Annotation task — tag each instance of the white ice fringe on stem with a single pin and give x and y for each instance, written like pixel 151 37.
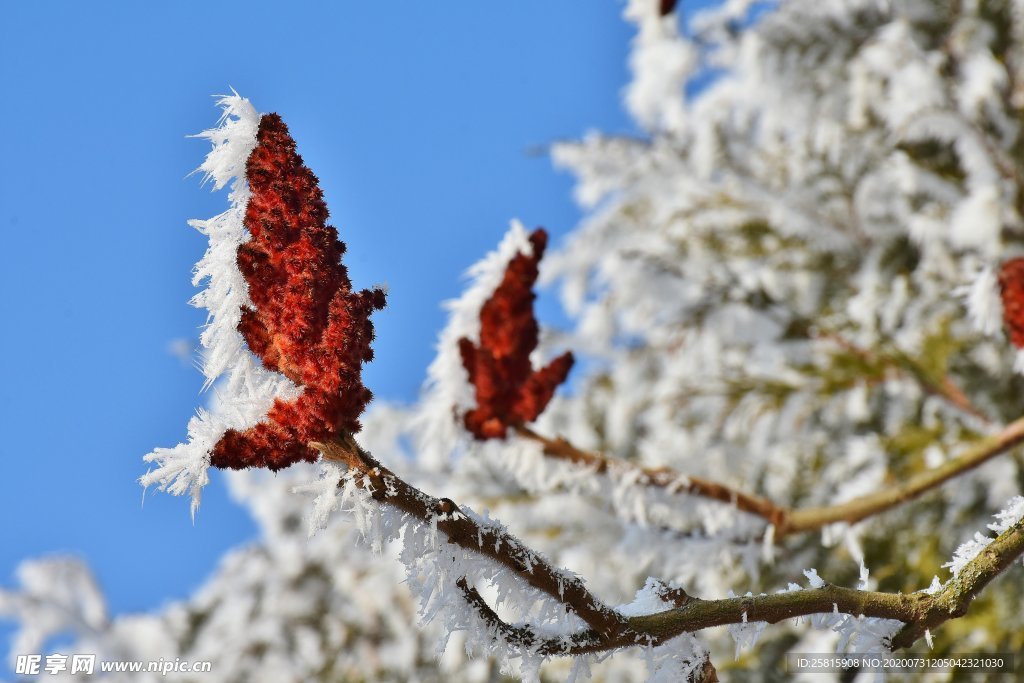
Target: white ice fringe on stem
pixel 1005 518
pixel 857 634
pixel 676 659
pixel 985 307
pixel 622 487
pixel 434 566
pixel 248 390
pixel 447 393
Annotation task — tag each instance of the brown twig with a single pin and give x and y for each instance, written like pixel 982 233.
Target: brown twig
pixel 945 389
pixel 786 520
pixel 660 477
pixel 810 519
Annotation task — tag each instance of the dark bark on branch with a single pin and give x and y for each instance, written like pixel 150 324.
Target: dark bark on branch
pixel 462 531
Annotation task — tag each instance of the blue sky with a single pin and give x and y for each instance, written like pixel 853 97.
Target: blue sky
pixel 419 119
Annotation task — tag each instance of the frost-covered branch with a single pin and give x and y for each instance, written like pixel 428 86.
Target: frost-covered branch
pixel 787 521
pixel 463 531
pixel 660 477
pixel 609 629
pixel 956 596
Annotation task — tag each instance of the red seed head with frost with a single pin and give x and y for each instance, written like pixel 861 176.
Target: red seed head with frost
pixel 1011 289
pixel 508 390
pixel 306 322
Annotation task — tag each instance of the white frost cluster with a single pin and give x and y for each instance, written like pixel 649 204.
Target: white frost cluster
pixel 746 633
pixel 815 580
pixel 447 393
pixel 246 390
pixel 1006 518
pixel 675 660
pixel 984 303
pixel 662 63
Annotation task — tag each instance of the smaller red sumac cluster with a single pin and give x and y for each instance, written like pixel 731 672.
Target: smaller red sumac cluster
pixel 509 391
pixel 1011 289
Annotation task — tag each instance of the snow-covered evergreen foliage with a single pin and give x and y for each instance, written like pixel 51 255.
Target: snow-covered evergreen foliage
pixel 788 285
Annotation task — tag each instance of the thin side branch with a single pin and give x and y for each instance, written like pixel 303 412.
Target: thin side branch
pixel 945 388
pixel 787 520
pixel 659 477
pixel 810 519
